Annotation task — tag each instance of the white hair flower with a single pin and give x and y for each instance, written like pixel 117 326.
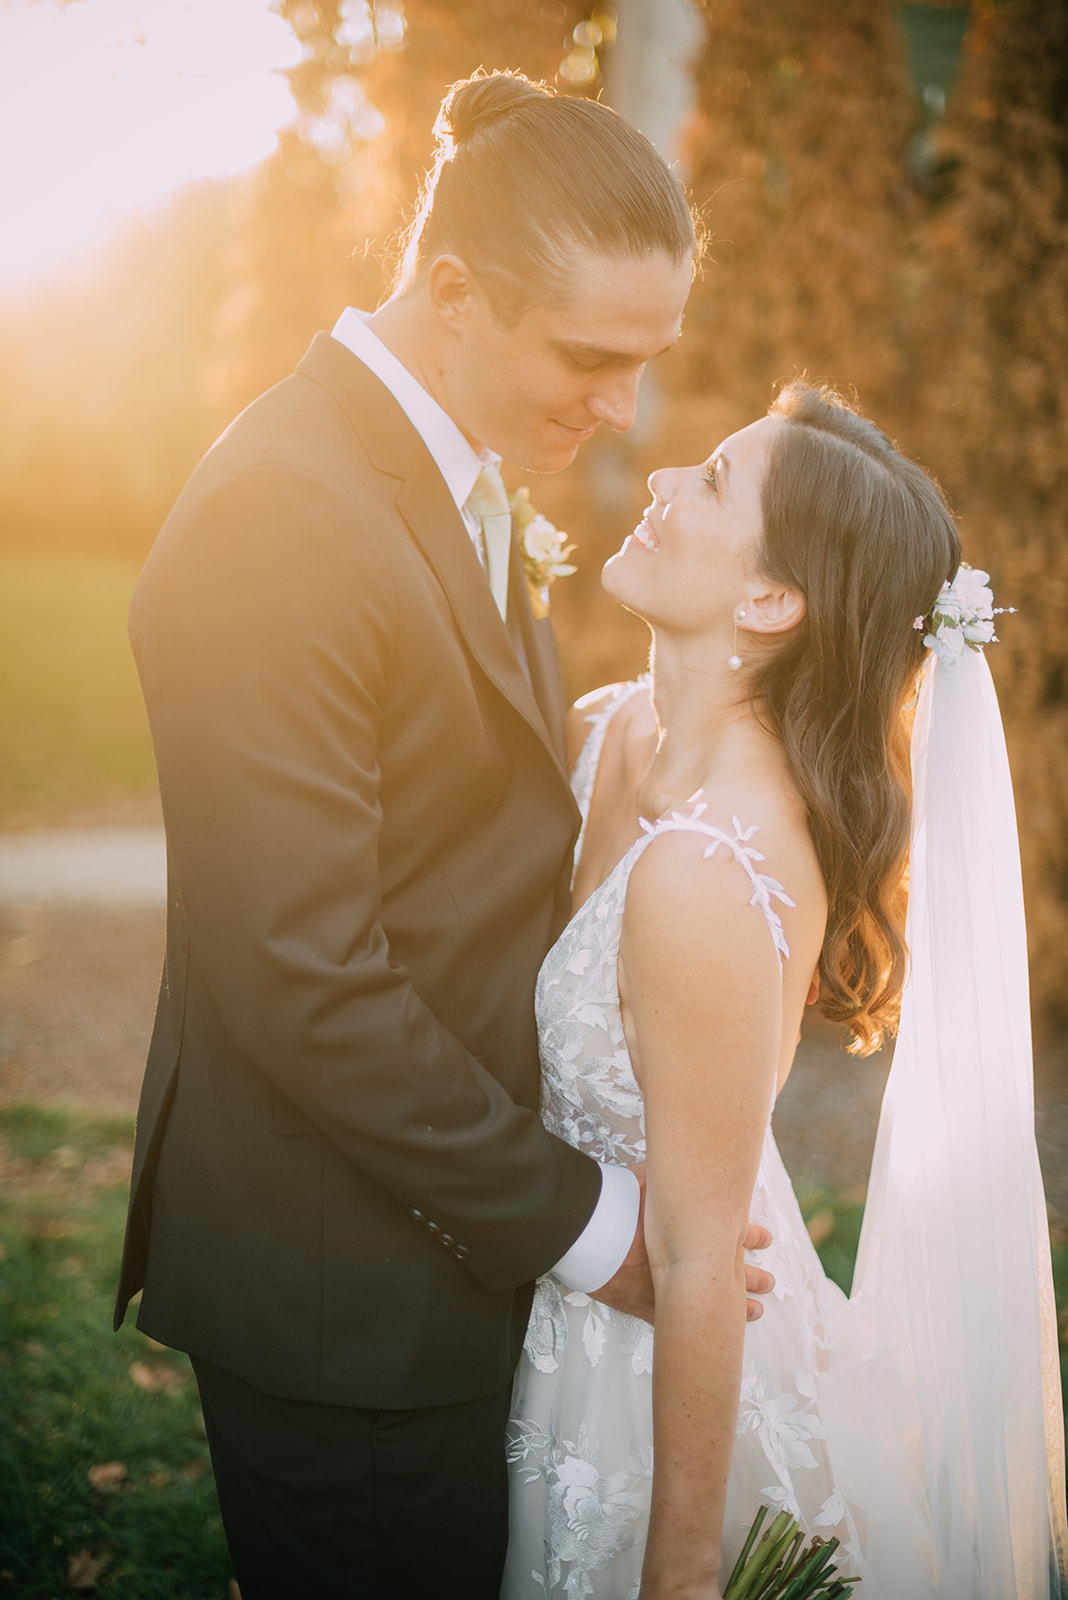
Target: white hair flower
pixel 962 617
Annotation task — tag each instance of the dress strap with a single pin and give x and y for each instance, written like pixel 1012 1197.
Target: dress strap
pixel 765 888
pixel 584 775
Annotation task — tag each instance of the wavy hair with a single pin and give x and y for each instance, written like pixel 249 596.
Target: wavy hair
pixel 866 536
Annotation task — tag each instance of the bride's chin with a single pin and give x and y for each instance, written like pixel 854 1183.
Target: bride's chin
pixel 614 577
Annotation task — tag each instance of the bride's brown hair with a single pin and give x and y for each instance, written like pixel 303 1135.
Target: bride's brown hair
pixel 865 535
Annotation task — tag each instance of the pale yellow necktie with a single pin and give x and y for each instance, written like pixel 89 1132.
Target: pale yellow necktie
pixel 489 501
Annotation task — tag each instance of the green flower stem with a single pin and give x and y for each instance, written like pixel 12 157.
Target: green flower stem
pixel 758 1523
pixel 777 1567
pixel 811 1573
pixel 784 1568
pixel 764 1559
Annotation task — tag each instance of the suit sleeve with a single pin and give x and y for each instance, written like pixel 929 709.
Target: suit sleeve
pixel 264 635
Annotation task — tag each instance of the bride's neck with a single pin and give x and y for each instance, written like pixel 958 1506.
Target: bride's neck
pixel 705 723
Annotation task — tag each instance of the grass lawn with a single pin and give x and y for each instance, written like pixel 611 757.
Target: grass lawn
pixel 104 1470
pixel 105 1482
pixel 72 724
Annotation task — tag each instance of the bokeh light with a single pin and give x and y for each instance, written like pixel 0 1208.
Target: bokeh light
pixel 580 69
pixel 108 105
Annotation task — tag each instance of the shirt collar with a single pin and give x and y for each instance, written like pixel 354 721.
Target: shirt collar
pixel 456 460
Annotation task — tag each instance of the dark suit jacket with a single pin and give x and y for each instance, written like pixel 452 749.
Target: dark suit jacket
pixel 341 1188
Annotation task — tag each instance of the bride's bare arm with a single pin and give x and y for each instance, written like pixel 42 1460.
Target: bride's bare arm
pixel 703 993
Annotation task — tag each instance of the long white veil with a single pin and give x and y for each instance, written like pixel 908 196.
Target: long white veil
pixel 953 1284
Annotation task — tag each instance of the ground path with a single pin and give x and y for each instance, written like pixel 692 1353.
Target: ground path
pixel 81 942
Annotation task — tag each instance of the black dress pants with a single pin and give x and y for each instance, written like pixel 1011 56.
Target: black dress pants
pixel 324 1502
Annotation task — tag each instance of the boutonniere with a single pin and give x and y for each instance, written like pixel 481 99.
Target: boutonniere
pixel 544 550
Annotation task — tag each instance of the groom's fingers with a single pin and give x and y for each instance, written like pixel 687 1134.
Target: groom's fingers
pixel 756 1237
pixel 757 1281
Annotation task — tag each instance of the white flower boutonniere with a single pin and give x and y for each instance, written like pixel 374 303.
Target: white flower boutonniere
pixel 962 617
pixel 544 550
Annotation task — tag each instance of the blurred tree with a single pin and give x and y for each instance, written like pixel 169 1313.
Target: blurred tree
pixel 314 233
pixel 797 159
pixel 299 247
pixel 101 414
pixel 991 360
pixel 447 43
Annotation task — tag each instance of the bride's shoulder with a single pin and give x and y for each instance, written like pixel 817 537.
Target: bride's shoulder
pixel 621 704
pixel 692 872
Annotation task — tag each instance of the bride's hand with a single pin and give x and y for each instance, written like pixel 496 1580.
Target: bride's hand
pixel 631 1288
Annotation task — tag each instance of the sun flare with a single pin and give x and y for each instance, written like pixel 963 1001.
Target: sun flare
pixel 108 105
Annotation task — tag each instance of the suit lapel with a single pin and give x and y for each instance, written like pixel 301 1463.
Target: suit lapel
pixel 426 506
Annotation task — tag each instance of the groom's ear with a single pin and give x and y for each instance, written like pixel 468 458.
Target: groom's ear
pixel 451 289
pixel 773 608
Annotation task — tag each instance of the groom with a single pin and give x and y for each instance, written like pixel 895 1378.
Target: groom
pixel 342 1192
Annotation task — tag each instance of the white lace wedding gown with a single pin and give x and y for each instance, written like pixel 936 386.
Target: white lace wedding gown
pixel 823 1418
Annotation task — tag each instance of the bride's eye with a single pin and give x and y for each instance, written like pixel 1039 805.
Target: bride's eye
pixel 710 474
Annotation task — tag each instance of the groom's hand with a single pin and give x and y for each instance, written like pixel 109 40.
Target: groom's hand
pixel 757 1280
pixel 631 1289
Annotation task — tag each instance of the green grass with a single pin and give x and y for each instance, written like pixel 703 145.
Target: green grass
pixel 834 1221
pixel 74 1396
pixel 72 723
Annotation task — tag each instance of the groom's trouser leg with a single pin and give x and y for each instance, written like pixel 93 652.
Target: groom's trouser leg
pixel 327 1502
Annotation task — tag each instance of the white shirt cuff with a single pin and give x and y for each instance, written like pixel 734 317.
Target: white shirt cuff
pixel 601 1248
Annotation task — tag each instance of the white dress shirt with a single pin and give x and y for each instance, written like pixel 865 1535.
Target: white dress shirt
pixel 458 462
pixel 602 1246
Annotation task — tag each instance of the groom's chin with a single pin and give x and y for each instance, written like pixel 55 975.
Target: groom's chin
pixel 551 458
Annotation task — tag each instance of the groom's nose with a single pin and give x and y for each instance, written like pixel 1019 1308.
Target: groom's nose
pixel 616 400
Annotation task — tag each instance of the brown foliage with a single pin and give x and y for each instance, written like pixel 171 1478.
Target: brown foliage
pixel 796 152
pixel 993 412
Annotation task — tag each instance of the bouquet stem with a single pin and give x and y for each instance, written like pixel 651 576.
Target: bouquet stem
pixel 776 1567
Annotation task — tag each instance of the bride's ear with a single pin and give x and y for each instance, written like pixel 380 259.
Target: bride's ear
pixel 773 608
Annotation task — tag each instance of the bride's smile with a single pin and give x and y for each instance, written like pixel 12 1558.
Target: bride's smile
pixel 702 534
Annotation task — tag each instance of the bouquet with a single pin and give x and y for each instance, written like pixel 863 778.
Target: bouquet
pixel 777 1568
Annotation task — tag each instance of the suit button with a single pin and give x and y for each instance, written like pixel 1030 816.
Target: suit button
pixel 418 1215
pixel 433 1227
pixel 461 1252
pixel 448 1239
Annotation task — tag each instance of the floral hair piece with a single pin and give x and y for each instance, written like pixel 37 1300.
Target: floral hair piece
pixel 963 615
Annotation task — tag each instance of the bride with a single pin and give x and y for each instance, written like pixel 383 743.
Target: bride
pixel 747 814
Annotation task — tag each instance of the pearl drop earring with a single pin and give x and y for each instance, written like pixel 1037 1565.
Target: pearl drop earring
pixel 734 660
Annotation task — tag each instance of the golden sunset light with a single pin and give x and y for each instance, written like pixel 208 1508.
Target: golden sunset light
pixel 426 425
pixel 112 104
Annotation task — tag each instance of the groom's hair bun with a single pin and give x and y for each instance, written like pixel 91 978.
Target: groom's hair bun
pixel 525 179
pixel 478 102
